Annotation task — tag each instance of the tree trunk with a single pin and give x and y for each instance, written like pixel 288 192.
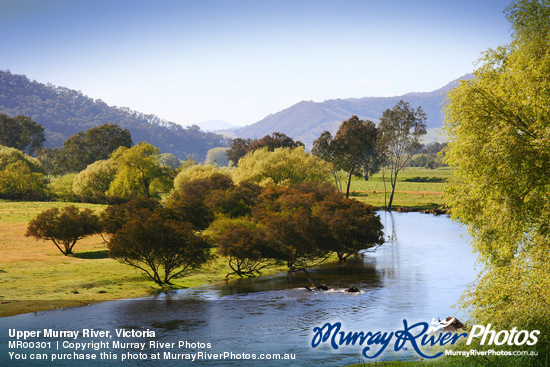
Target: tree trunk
pixel 393 181
pixel 350 173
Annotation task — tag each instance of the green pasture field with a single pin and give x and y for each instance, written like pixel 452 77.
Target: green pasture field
pixel 417 188
pixel 35 275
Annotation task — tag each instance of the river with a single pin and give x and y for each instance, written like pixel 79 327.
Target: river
pixel 418 275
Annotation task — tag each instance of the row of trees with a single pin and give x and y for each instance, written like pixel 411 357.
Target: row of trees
pixel 299 225
pixel 103 171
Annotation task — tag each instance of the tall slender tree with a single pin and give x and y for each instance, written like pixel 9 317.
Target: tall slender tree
pixel 400 131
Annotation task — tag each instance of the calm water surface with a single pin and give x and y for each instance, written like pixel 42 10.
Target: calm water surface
pixel 417 275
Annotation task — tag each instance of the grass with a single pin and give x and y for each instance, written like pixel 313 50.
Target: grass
pixel 35 276
pixel 417 188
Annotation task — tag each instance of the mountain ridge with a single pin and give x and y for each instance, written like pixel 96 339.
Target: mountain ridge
pixel 64 112
pixel 306 120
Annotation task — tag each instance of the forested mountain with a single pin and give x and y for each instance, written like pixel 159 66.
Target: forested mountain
pixel 306 120
pixel 64 112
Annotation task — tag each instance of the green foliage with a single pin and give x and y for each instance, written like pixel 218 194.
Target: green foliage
pixel 354 149
pixel 91 184
pixel 160 246
pixel 169 160
pixel 61 188
pixel 238 149
pixel 498 125
pixel 21 176
pixel 139 173
pixel 191 172
pixel 95 144
pixel 400 131
pixel 21 133
pixel 217 156
pixel 64 227
pixel 283 166
pixel 53 161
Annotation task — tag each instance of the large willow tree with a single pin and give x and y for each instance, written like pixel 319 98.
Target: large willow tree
pixel 499 129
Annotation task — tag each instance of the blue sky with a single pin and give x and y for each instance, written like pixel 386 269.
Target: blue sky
pixel 190 61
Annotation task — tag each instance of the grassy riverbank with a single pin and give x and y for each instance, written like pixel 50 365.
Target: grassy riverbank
pixel 417 188
pixel 35 276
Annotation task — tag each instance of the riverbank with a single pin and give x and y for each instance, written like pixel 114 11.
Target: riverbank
pixel 417 189
pixel 35 276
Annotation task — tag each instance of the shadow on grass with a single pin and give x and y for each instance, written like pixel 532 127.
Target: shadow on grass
pixel 100 254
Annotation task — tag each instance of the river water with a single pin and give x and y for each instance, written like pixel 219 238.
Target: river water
pixel 418 275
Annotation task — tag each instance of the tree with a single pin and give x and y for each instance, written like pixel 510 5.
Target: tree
pixel 61 188
pixel 95 144
pixel 238 149
pixel 139 173
pixel 64 227
pixel 114 217
pixel 234 202
pixel 400 131
pixel 188 203
pixel 296 233
pixel 244 242
pixel 92 183
pixel 353 149
pixel 283 166
pixel 500 150
pixel 53 161
pixel 169 160
pixel 217 156
pixel 21 176
pixel 273 141
pixel 353 225
pixel 191 171
pixel 160 246
pixel 21 133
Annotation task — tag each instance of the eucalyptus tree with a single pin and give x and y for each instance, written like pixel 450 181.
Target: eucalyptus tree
pixel 353 149
pixel 400 131
pixel 21 133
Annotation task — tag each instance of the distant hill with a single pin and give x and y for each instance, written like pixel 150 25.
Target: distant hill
pixel 306 120
pixel 64 112
pixel 216 125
